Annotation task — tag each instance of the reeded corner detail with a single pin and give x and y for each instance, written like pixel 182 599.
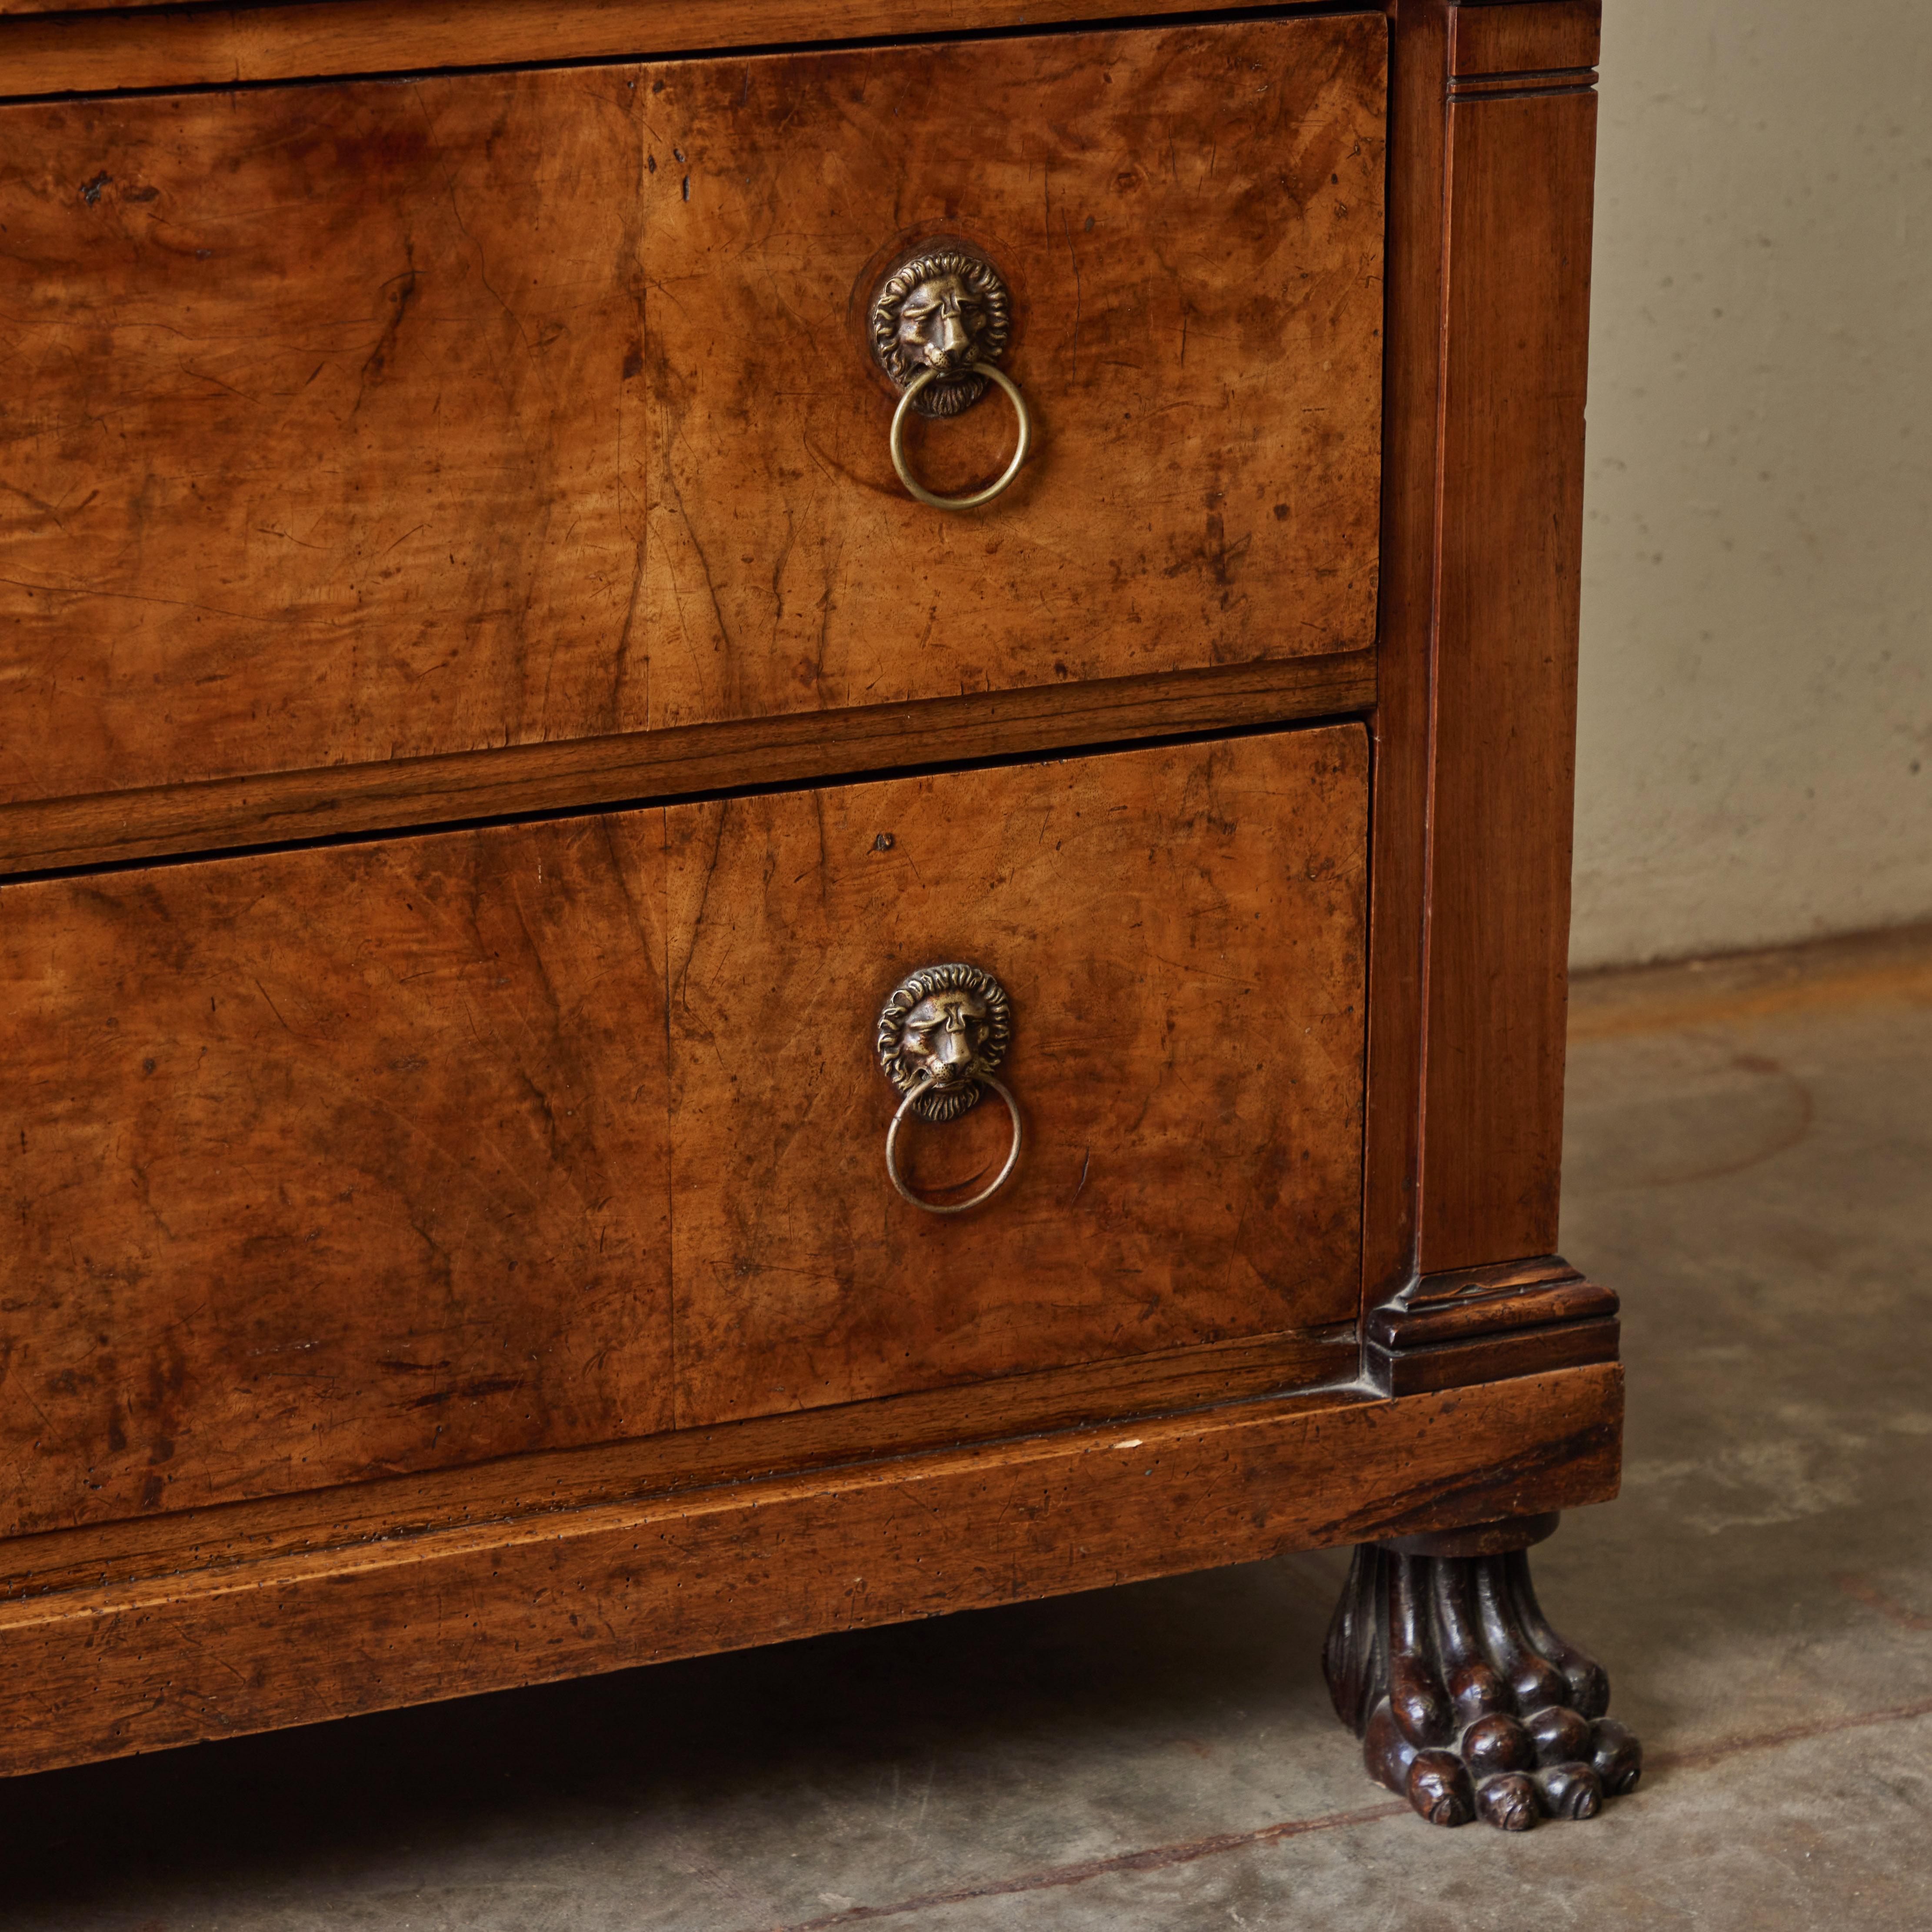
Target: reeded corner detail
pixel 1522 86
pixel 1508 52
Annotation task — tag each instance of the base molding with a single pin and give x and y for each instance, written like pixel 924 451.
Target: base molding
pixel 1472 1325
pixel 99 1671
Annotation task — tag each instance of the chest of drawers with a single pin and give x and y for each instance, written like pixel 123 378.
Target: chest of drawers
pixel 633 1029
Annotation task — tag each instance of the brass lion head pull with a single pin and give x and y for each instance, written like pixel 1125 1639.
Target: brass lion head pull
pixel 939 323
pixel 942 1033
pixel 944 1030
pixel 947 311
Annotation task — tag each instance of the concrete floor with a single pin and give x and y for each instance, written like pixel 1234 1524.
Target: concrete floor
pixel 1750 1163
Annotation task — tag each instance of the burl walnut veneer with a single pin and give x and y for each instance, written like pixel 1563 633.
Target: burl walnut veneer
pixel 784 827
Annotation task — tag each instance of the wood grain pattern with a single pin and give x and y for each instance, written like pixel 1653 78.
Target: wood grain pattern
pixel 1180 931
pixel 100 1671
pixel 1542 37
pixel 1192 221
pixel 336 435
pixel 316 432
pixel 43 835
pixel 329 1164
pixel 539 1482
pixel 1514 376
pixel 358 1159
pixel 138 45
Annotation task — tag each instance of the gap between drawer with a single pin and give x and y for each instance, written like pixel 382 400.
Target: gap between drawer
pixel 39 837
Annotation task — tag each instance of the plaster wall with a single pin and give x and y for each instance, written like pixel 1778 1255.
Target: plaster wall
pixel 1755 758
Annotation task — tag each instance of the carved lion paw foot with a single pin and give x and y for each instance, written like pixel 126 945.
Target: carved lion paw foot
pixel 1467 1702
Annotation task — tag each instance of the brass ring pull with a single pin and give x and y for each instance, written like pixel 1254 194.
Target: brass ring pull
pixel 941 1033
pixel 1000 1180
pixel 913 389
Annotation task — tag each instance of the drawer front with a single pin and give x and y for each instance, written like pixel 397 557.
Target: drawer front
pixel 365 420
pixel 370 1159
pixel 1180 931
pixel 1190 220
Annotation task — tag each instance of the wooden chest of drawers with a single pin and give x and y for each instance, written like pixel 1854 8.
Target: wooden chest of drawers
pixel 531 814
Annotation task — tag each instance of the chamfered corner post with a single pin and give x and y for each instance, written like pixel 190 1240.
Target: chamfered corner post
pixel 1520 135
pixel 1467 1701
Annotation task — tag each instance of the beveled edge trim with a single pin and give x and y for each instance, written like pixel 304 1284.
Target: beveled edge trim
pixel 1466 1302
pixel 1472 1325
pixel 1311 1364
pixel 56 835
pixel 1523 86
pixel 166 49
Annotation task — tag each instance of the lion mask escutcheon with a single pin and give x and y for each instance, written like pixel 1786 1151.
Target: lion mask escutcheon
pixel 950 1024
pixel 945 311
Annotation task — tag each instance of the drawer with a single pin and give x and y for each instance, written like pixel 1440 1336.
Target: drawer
pixel 357 422
pixel 384 1157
